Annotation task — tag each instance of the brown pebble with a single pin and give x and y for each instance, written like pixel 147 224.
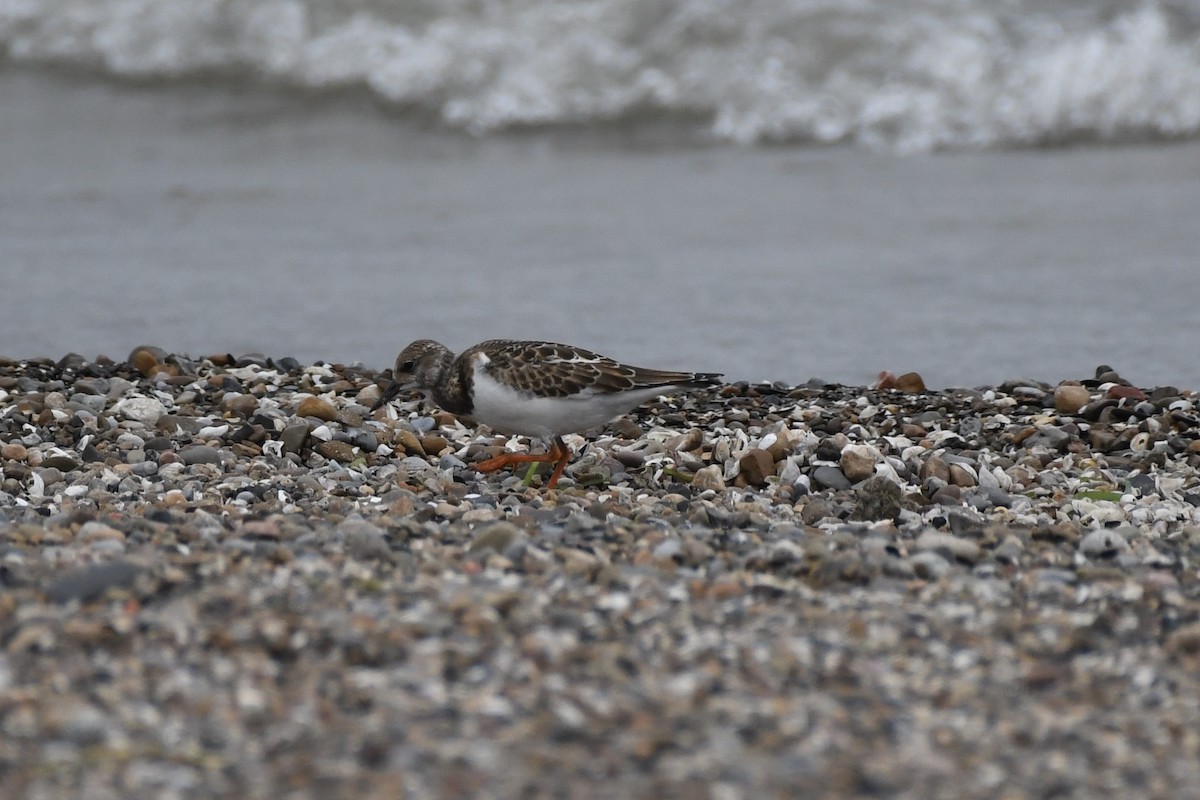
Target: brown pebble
pixel 1132 392
pixel 1070 397
pixel 756 466
pixel 1185 642
pixel 726 589
pixel 243 404
pixel 782 446
pixel 13 451
pixel 433 445
pixel 146 358
pixel 1103 440
pixel 935 467
pixel 96 531
pixel 686 442
pixel 368 395
pixel 409 441
pixel 164 371
pixel 1021 434
pixel 337 451
pixel 626 428
pixel 858 461
pixel 317 407
pixel 247 449
pixel 961 476
pixel 445 419
pixel 402 507
pixel 709 477
pixel 910 383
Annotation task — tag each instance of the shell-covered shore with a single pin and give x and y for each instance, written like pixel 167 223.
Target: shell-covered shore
pixel 226 577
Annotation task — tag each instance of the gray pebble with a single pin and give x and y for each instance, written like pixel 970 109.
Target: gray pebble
pixel 145 468
pixel 91 582
pixel 200 454
pixel 365 541
pixel 1103 543
pixel 829 477
pixel 49 475
pixel 930 566
pixel 87 726
pixel 498 538
pixel 141 409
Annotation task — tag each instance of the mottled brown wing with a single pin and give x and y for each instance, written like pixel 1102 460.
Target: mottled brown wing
pixel 550 370
pixel 559 370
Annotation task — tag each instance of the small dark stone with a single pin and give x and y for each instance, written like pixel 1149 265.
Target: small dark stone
pixel 91 386
pixel 365 440
pixel 1050 438
pixel 71 361
pixel 16 470
pixel 64 463
pixel 253 360
pixel 830 478
pixel 997 496
pixel 293 437
pixel 878 498
pixel 830 449
pixel 1144 483
pixel 947 495
pixel 247 433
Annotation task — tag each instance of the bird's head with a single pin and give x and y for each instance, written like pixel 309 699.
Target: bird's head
pixel 419 366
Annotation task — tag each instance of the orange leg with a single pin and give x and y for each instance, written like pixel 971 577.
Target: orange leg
pixel 558 453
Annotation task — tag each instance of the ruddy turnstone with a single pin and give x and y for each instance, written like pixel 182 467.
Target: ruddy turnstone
pixel 539 389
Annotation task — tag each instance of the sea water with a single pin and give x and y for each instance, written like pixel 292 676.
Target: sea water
pixel 971 190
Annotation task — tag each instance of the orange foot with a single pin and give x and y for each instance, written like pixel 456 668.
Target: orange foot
pixel 558 452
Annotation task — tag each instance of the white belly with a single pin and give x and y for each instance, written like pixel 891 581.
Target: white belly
pixel 508 411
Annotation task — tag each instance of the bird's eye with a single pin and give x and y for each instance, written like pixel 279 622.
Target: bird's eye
pixel 407 366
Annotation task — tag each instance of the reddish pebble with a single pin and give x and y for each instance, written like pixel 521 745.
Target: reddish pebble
pixel 1120 390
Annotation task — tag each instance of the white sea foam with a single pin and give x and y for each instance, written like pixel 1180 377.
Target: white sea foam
pixel 908 75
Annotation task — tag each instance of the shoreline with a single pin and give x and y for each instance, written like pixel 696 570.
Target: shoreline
pixel 226 578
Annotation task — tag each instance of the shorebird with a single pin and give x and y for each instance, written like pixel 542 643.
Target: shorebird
pixel 539 389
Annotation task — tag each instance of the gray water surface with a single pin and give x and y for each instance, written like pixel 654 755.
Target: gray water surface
pixel 206 219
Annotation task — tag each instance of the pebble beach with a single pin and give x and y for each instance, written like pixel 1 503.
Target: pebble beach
pixel 224 576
